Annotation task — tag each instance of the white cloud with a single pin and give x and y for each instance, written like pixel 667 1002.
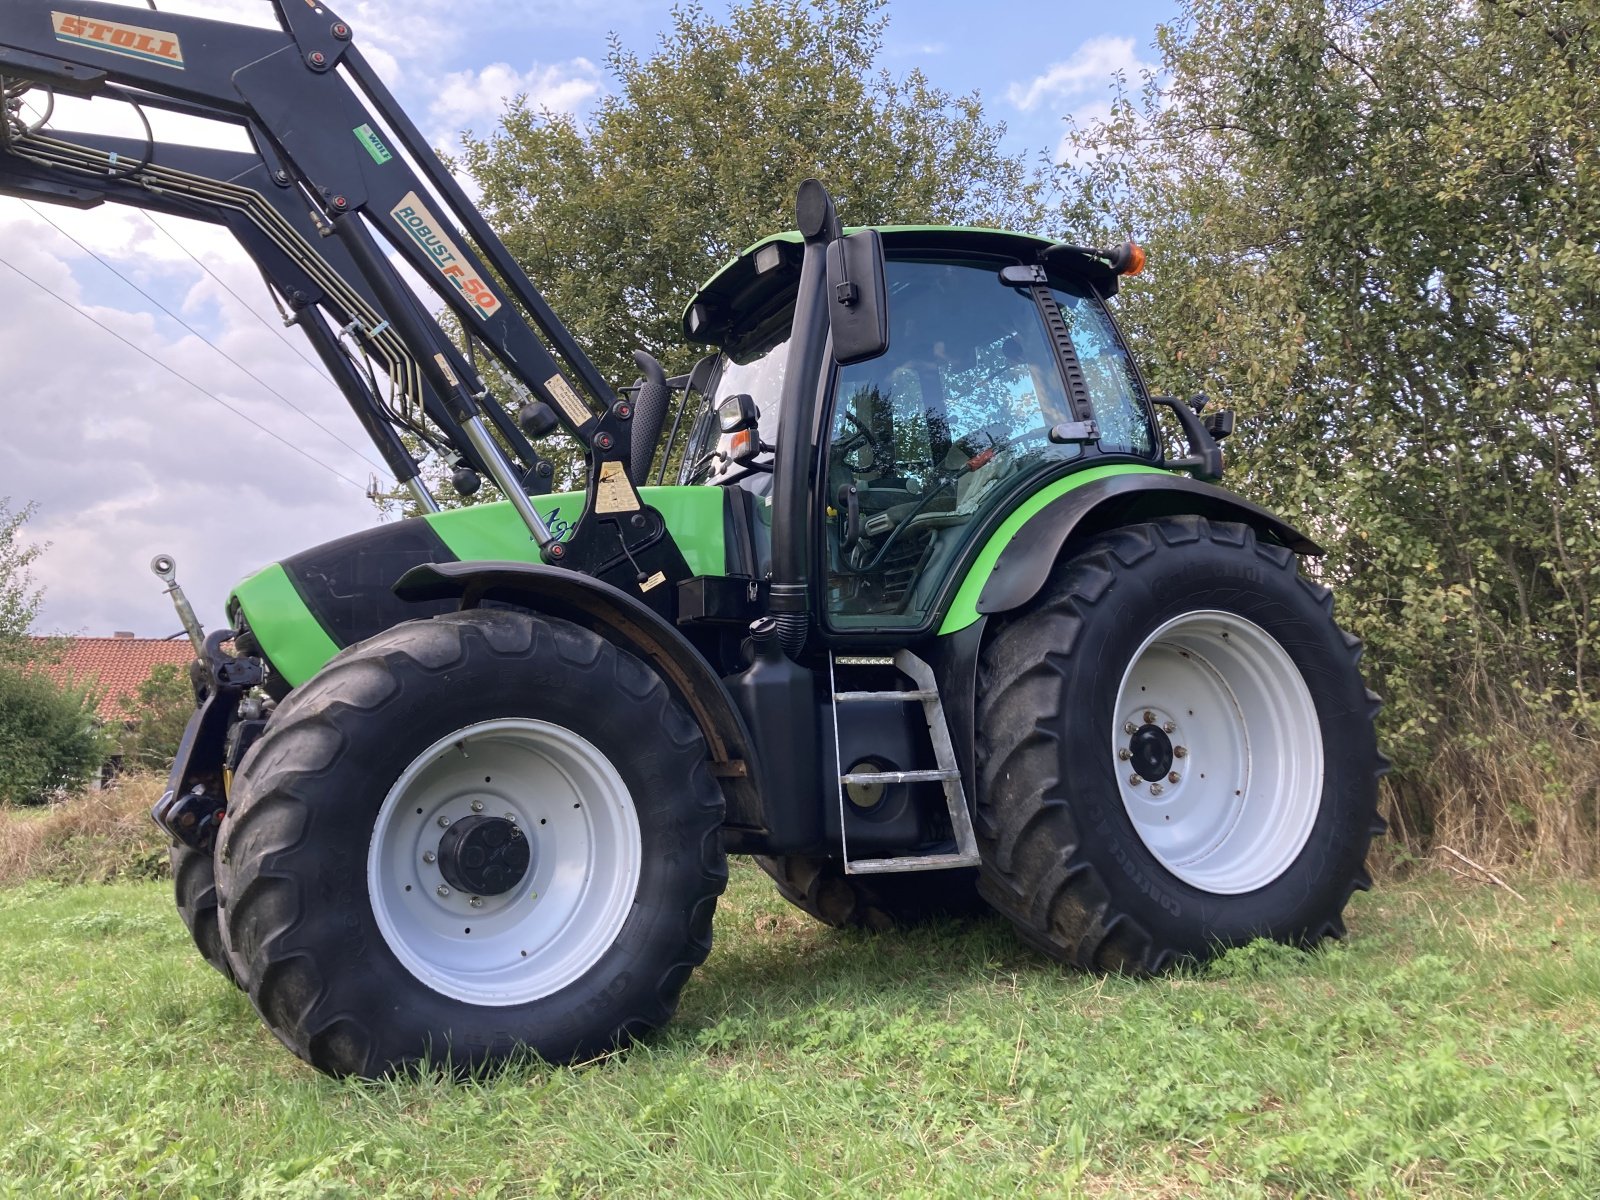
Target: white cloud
pixel 1093 66
pixel 477 97
pixel 126 461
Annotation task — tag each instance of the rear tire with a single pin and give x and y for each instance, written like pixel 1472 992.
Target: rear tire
pixel 338 855
pixel 1191 651
pixel 820 888
pixel 194 885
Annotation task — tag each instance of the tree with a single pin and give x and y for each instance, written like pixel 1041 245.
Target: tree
pixel 1374 234
pixel 156 715
pixel 697 153
pixel 49 738
pixel 19 600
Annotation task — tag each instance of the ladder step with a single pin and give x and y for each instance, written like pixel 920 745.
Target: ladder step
pixel 926 862
pixel 859 697
pixel 899 776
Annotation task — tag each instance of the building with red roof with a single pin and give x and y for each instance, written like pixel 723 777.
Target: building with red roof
pixel 115 665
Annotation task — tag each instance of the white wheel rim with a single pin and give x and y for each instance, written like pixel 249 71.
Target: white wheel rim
pixel 566 911
pixel 1246 751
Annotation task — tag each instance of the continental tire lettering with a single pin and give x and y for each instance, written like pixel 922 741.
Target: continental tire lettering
pixel 1142 881
pixel 428 233
pixel 130 41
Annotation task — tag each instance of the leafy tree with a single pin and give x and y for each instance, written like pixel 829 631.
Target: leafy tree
pixel 157 713
pixel 49 737
pixel 19 600
pixel 1374 229
pixel 697 152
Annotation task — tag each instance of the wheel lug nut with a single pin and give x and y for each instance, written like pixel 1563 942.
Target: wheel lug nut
pixel 1135 780
pixel 1156 789
pixel 1149 717
pixel 442 890
pixel 1130 727
pixel 1180 752
pixel 429 856
pixel 1173 778
pixel 1123 754
pixel 477 806
pixel 1169 727
pixel 476 902
pixel 443 821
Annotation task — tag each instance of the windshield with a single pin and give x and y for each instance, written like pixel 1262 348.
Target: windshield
pixel 760 376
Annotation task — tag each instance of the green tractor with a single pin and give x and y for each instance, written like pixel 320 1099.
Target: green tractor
pixel 928 622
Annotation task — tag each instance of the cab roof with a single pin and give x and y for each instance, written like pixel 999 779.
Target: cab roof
pixel 740 299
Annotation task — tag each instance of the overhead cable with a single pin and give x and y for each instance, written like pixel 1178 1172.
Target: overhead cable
pixel 179 374
pixel 356 450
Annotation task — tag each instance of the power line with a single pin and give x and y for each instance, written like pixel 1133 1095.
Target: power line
pixel 248 307
pixel 179 374
pixel 356 450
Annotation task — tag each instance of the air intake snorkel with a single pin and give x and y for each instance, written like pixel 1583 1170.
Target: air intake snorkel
pixel 818 223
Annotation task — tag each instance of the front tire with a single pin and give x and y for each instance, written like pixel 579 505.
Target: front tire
pixel 1176 752
pixel 469 836
pixel 194 887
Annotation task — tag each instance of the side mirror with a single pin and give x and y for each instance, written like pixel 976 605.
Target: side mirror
pixel 736 413
pixel 858 297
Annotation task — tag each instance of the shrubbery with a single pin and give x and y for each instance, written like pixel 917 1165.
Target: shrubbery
pixel 50 740
pixel 1373 234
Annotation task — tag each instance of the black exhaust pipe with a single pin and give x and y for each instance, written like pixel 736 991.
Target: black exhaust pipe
pixel 650 405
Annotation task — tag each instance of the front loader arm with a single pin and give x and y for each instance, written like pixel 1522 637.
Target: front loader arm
pixel 329 132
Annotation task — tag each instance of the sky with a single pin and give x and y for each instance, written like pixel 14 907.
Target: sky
pixel 108 427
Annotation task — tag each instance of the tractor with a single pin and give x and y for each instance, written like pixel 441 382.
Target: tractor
pixel 928 619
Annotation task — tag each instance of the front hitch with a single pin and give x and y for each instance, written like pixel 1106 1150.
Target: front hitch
pixel 192 808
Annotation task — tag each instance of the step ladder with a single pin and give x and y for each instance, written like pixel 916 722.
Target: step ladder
pixel 948 773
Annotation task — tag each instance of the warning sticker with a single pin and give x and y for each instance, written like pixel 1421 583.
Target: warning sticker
pixel 613 492
pixel 561 392
pixel 655 580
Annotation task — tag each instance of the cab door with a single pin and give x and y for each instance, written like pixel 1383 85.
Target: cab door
pixel 952 424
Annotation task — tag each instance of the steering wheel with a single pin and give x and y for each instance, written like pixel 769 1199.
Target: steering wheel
pixel 852 444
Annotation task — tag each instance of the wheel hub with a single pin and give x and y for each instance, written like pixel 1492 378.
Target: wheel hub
pixel 1219 693
pixel 1150 751
pixel 484 856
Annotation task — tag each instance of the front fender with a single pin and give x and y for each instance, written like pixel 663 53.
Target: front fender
pixel 1028 550
pixel 625 621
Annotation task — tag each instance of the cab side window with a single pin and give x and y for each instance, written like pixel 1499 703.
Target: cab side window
pixel 925 436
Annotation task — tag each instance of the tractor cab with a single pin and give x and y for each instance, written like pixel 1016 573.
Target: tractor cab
pixel 1003 369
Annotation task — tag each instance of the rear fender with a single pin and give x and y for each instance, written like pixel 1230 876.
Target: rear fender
pixel 628 623
pixel 1031 554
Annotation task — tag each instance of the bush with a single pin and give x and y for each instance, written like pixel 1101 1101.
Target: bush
pixel 94 838
pixel 50 741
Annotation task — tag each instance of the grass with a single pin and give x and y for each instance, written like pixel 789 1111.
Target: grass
pixel 1450 1048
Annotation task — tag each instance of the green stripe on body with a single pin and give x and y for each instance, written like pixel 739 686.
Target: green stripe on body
pixel 494 532
pixel 280 619
pixel 964 608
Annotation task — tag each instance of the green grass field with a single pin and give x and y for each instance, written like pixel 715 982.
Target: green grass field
pixel 1450 1048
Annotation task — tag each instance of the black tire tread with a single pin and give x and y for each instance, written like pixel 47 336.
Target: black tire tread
pixel 1032 869
pixel 194 887
pixel 268 908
